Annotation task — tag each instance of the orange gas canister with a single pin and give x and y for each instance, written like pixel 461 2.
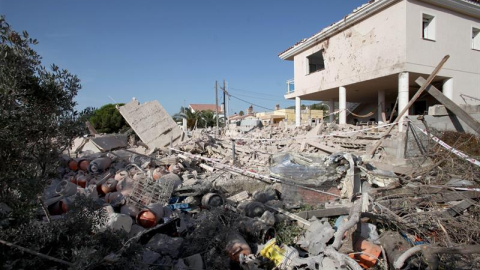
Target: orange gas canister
pixel 366 254
pixel 72 165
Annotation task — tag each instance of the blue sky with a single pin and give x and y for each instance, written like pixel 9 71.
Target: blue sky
pixel 173 51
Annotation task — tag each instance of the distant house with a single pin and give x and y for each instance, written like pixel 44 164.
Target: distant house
pixel 288 115
pixel 237 118
pixel 205 107
pixel 373 56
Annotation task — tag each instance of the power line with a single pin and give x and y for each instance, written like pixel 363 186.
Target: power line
pixel 276 100
pixel 249 102
pixel 260 93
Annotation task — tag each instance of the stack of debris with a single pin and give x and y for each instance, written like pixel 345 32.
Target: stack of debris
pixel 259 200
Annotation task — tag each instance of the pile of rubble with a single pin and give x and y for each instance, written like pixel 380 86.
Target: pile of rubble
pixel 261 200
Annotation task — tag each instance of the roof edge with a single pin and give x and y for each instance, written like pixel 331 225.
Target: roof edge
pixel 468 7
pixel 358 15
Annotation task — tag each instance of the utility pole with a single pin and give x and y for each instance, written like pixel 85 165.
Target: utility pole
pixel 216 106
pixel 184 119
pixel 224 105
pixel 228 100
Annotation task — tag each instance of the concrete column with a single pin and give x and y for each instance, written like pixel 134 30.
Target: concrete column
pixel 381 107
pixel 298 110
pixel 403 97
pixel 448 88
pixel 342 105
pixel 331 109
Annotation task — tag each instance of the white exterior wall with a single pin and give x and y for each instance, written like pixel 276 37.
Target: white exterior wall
pixel 453 37
pixel 372 48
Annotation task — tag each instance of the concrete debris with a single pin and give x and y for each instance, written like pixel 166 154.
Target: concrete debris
pixel 316 237
pixel 151 123
pixel 110 142
pixel 218 202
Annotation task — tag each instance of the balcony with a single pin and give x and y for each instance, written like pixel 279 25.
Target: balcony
pixel 290 86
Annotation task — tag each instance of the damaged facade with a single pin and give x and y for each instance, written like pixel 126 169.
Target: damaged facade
pixel 373 56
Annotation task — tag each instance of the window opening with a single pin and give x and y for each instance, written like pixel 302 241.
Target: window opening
pixel 428 27
pixel 475 38
pixel 316 62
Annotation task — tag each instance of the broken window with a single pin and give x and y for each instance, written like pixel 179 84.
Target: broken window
pixel 428 27
pixel 316 62
pixel 475 38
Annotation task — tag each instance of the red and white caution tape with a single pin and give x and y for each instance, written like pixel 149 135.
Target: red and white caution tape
pixel 449 148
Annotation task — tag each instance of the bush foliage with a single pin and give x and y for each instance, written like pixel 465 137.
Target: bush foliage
pixel 38 122
pixel 108 119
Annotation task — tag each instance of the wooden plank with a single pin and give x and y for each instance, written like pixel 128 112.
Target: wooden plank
pixel 414 98
pixel 324 148
pixel 320 213
pixel 41 255
pixel 459 208
pixel 450 105
pixel 399 204
pixel 405 191
pixel 90 127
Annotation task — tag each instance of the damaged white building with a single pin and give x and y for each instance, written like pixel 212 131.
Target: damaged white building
pixel 374 55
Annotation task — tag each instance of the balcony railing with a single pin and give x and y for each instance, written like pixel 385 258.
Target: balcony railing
pixel 290 86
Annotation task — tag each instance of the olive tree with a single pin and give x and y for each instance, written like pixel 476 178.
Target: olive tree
pixel 38 122
pixel 38 117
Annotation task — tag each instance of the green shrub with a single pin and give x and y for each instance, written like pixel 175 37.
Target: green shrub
pixel 108 119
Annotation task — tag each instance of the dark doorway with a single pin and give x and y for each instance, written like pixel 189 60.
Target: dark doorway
pixel 420 107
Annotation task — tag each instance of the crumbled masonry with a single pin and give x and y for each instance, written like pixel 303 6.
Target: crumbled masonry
pixel 227 201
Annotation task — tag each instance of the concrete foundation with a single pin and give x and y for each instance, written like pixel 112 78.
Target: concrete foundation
pixel 440 118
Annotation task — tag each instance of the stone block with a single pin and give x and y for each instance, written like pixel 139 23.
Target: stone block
pixel 437 110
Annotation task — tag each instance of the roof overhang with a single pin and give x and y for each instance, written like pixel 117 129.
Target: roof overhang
pixel 357 15
pixel 467 7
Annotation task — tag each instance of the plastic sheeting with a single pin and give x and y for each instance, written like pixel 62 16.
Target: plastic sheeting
pixel 296 167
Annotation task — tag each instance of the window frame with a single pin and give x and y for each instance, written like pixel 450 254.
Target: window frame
pixel 475 40
pixel 429 31
pixel 307 62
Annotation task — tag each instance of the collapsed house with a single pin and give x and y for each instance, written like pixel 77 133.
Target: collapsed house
pixel 214 201
pixel 328 196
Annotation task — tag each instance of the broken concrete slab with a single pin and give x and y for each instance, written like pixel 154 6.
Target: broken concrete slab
pixel 110 142
pixel 151 123
pixel 83 145
pixel 316 237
